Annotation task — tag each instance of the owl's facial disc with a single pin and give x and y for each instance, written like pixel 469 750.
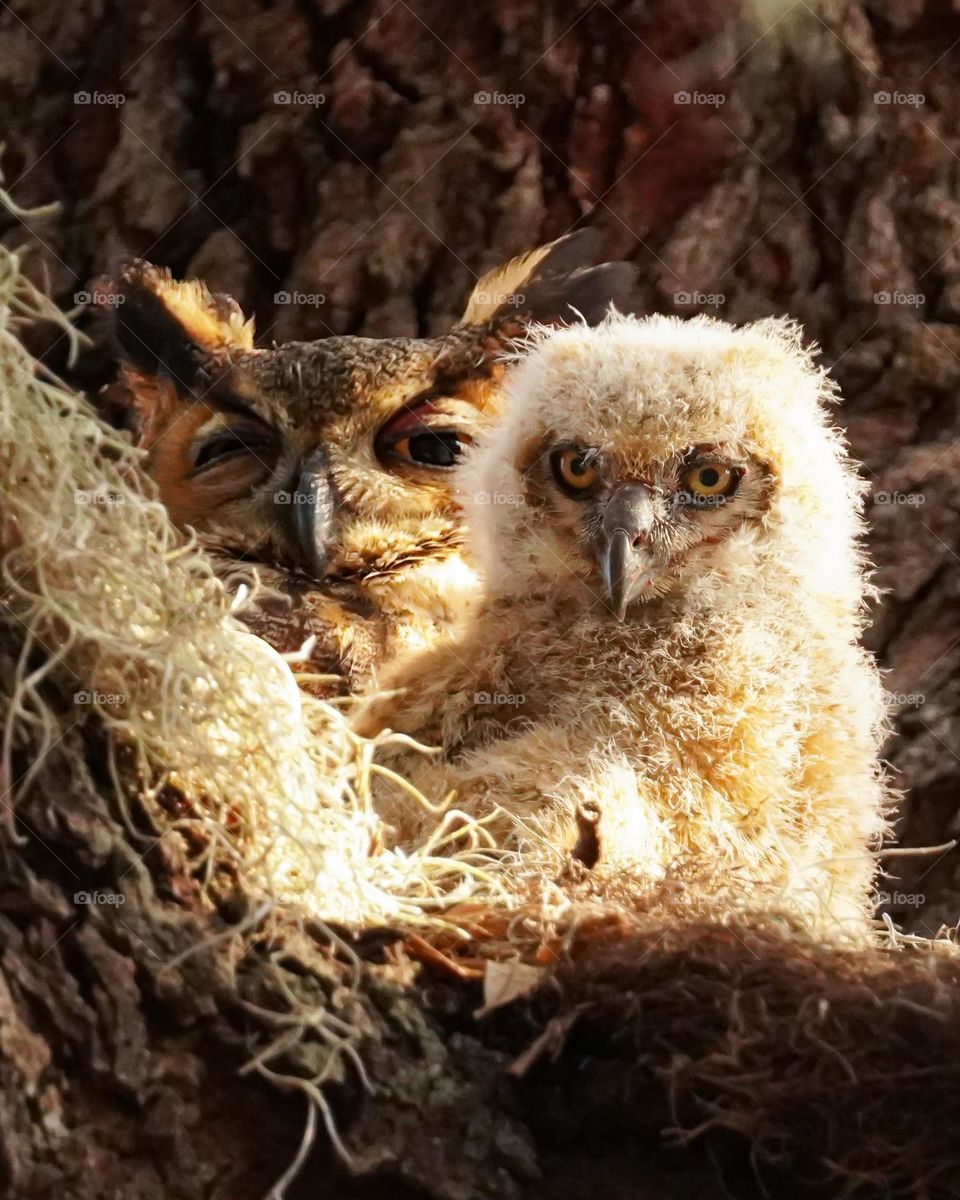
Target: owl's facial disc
pixel 644 526
pixel 236 456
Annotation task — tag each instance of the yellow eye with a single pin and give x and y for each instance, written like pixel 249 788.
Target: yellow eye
pixel 710 479
pixel 573 470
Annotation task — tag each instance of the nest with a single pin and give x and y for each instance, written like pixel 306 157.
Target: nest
pixel 249 801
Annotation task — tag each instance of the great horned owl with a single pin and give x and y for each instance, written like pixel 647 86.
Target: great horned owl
pixel 664 664
pixel 330 460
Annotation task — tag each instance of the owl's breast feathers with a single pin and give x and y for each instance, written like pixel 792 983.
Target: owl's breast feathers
pixel 371 611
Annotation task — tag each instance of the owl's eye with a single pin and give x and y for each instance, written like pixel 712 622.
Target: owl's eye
pixel 707 480
pixel 575 471
pixel 411 439
pixel 439 448
pixel 225 438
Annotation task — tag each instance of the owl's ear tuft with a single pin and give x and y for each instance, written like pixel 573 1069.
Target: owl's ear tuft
pixel 168 328
pixel 553 284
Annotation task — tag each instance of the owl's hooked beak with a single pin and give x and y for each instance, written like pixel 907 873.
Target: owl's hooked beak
pixel 625 558
pixel 311 514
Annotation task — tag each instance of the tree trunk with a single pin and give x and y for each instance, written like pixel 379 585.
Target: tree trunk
pixel 351 167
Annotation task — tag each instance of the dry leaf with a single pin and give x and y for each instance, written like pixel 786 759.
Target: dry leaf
pixel 508 981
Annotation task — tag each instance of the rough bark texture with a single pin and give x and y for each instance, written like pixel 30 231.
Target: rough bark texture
pixel 369 159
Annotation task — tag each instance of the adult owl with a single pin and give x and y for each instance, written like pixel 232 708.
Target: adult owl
pixel 327 464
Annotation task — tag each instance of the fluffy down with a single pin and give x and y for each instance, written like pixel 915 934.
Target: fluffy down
pixel 731 719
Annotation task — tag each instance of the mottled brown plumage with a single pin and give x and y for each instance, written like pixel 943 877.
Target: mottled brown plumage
pixel 327 463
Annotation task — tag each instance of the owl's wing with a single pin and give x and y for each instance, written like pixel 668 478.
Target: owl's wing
pixel 552 284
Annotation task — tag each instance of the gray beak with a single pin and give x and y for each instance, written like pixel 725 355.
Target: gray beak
pixel 310 520
pixel 625 557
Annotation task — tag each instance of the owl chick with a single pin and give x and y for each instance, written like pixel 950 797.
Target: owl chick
pixel 327 464
pixel 664 665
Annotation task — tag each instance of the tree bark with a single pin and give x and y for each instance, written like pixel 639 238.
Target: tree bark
pixel 370 159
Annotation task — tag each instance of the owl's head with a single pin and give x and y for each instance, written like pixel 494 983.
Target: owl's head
pixel 654 457
pixel 330 458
